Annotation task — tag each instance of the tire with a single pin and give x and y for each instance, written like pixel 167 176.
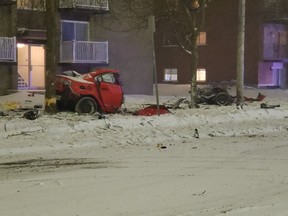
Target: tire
pixel 86 105
pixel 222 99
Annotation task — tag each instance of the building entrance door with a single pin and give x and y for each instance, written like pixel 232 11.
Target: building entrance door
pixel 270 74
pixel 31 66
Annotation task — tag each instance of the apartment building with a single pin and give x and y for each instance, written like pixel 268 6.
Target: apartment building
pixel 84 45
pixel 266 50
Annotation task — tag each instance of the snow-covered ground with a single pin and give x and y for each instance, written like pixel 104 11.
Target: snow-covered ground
pixel 125 165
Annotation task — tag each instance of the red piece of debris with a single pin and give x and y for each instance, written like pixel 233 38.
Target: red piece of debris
pixel 152 110
pixel 260 97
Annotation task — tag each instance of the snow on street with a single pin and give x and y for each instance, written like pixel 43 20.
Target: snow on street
pixel 125 165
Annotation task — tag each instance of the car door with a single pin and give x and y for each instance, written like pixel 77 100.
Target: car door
pixel 110 91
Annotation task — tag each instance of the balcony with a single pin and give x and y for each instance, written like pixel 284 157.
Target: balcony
pixel 84 52
pixel 85 4
pixel 7 49
pixel 275 52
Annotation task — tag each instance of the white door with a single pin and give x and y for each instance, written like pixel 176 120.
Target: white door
pixel 31 66
pixel 37 67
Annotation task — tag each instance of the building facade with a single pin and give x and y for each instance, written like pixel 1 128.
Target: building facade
pixel 266 50
pixel 84 45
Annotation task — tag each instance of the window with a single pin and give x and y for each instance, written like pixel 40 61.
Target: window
pixel 74 30
pixel 107 78
pixel 201 75
pixel 170 74
pixel 201 38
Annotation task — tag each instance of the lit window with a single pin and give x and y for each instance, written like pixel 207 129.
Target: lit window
pixel 170 75
pixel 201 38
pixel 201 75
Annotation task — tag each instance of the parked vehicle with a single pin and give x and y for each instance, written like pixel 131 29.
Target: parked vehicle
pixel 98 91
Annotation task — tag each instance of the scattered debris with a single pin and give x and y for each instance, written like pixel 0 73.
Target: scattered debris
pixel 107 124
pixel 10 105
pixel 161 146
pixel 200 194
pixel 31 114
pixel 211 135
pixel 226 211
pixel 260 97
pixel 176 104
pixel 266 106
pixel 38 106
pixel 25 133
pixel 3 114
pixel 152 110
pixel 196 133
pixel 102 116
pixel 240 105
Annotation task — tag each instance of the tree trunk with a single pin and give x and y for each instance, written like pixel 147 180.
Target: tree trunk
pixel 240 52
pixel 194 65
pixel 52 50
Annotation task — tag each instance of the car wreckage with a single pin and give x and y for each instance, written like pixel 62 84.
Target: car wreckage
pixel 214 95
pixel 97 91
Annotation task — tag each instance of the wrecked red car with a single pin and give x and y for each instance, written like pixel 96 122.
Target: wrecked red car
pixel 98 91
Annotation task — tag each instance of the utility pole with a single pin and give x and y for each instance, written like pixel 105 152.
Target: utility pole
pixel 52 53
pixel 151 21
pixel 240 51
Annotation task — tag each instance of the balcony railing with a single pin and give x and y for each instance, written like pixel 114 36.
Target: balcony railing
pixel 275 51
pixel 84 52
pixel 85 4
pixel 8 49
pixel 39 5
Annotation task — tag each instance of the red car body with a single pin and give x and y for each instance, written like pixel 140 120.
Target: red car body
pixel 98 91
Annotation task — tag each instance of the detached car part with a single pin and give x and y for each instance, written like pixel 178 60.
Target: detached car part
pixel 214 95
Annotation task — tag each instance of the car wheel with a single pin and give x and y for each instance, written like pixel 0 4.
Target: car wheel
pixel 86 105
pixel 222 99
